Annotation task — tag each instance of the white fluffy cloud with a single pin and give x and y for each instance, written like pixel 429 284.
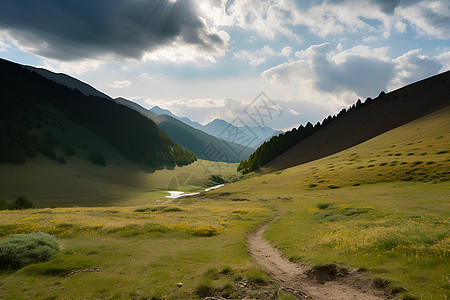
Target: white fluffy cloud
pixel 429 18
pixel 271 19
pixel 412 66
pixel 259 56
pixel 120 84
pixel 338 77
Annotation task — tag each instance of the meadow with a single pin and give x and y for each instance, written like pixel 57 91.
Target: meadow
pixel 381 206
pixel 138 252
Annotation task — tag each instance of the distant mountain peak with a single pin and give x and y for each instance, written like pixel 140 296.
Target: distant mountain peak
pixel 217 128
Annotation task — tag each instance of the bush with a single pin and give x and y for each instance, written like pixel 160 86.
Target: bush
pixel 97 158
pixel 22 203
pixel 62 160
pixel 217 179
pixel 322 205
pixel 205 289
pixel 3 205
pixel 204 231
pixel 172 209
pixel 23 249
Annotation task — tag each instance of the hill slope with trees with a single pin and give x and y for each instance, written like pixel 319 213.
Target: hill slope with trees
pixel 204 145
pixel 361 122
pixel 30 102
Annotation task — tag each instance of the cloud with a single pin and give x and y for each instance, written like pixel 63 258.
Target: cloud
pixel 282 18
pixel 259 56
pixel 268 19
pixel 4 46
pixel 293 112
pixel 120 84
pixel 429 18
pixel 387 6
pixel 322 73
pixel 411 67
pixel 205 110
pixel 358 69
pixel 70 30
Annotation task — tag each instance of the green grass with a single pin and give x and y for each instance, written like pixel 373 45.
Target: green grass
pixel 50 184
pixel 123 253
pixel 391 219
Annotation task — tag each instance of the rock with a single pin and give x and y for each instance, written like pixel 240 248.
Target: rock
pixel 179 284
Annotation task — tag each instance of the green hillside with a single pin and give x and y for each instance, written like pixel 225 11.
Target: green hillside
pixel 204 146
pixel 361 122
pixel 381 206
pixel 36 114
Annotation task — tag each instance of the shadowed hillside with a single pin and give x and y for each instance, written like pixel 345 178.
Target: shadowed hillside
pixel 35 113
pixel 360 123
pixel 204 146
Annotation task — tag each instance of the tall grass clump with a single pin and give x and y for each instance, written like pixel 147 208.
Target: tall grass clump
pixel 23 249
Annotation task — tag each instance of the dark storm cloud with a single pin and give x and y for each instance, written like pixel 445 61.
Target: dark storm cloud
pixel 68 30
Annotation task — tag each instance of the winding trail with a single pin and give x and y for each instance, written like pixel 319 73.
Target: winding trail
pixel 304 284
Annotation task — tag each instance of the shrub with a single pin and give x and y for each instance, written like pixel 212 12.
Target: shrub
pixel 172 209
pixel 205 289
pixel 204 231
pixel 3 205
pixel 23 249
pixel 61 160
pixel 322 205
pixel 22 203
pixel 217 179
pixel 97 158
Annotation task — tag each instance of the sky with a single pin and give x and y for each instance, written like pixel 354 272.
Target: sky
pixel 208 59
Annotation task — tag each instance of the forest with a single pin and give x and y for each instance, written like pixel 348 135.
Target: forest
pixel 26 96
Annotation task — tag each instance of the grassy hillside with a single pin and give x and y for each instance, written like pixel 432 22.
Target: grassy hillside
pixel 120 183
pixel 397 229
pixel 204 146
pixel 35 110
pixel 382 206
pixel 349 128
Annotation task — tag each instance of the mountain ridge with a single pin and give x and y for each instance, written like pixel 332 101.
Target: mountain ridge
pixel 251 136
pixel 37 113
pixel 364 121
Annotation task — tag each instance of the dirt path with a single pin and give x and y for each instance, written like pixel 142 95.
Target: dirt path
pixel 304 283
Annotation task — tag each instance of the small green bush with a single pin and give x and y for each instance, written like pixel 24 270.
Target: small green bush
pixel 204 231
pixel 23 249
pixel 3 205
pixel 322 205
pixel 217 179
pixel 205 289
pixel 172 209
pixel 22 203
